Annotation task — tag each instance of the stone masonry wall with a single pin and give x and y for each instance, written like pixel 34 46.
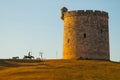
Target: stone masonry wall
pixel 85 35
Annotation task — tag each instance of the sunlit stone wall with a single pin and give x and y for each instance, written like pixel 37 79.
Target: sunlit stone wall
pixel 85 34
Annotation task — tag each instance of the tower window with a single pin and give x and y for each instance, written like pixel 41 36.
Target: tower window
pixel 68 40
pixel 84 35
pixel 101 31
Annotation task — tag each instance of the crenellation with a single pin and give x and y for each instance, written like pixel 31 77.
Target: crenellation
pixel 80 12
pixel 105 13
pixel 87 12
pixel 97 12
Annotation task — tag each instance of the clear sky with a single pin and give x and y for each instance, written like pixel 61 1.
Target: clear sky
pixel 35 25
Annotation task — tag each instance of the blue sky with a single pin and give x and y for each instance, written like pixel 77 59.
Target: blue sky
pixel 35 25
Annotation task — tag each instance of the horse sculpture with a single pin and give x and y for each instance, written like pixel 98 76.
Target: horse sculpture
pixel 29 56
pixel 15 57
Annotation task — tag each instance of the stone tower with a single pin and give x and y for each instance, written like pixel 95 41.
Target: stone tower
pixel 85 34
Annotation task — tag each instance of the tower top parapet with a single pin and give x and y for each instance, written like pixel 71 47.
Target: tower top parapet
pixel 66 13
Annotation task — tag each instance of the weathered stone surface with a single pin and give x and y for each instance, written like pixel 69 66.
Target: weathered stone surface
pixel 86 35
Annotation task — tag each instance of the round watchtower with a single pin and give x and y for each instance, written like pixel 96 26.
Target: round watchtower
pixel 85 34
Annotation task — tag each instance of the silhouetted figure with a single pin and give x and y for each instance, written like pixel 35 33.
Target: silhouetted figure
pixel 29 56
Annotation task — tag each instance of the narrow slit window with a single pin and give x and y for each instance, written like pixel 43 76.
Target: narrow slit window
pixel 68 40
pixel 84 35
pixel 101 31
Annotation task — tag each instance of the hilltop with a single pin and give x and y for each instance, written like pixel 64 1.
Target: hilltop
pixel 59 70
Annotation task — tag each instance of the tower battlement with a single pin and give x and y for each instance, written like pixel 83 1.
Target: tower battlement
pixel 82 12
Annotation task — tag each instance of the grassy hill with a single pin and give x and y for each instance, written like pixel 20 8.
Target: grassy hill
pixel 59 70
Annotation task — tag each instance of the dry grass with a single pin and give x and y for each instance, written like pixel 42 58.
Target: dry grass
pixel 59 70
